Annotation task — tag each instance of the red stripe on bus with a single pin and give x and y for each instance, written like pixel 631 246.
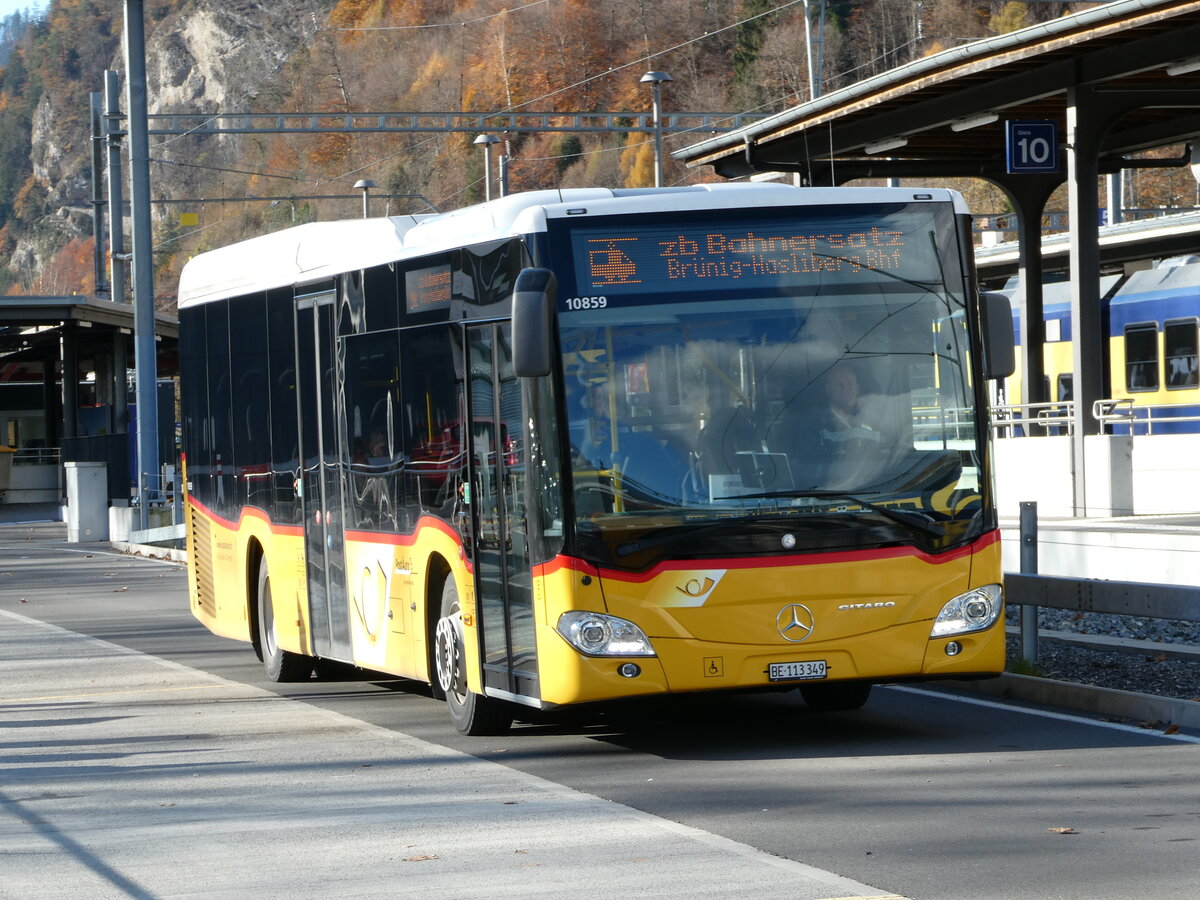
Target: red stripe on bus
pixel 248 512
pixel 404 540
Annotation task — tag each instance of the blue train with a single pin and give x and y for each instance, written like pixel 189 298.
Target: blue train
pixel 1152 322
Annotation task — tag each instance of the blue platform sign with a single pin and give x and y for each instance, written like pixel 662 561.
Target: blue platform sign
pixel 1031 146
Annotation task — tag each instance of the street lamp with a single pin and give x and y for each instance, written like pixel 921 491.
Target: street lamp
pixel 656 80
pixel 486 141
pixel 364 185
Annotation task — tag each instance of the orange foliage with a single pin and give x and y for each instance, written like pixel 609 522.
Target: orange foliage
pixel 637 162
pixel 349 13
pixel 330 151
pixel 72 271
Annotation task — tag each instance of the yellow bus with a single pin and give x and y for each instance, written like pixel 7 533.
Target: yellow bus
pixel 583 445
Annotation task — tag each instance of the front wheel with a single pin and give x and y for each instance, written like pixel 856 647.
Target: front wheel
pixel 835 697
pixel 472 714
pixel 281 665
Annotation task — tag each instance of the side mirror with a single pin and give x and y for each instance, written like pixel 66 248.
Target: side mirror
pixel 999 353
pixel 532 308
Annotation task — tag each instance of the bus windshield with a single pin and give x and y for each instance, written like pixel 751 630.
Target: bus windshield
pixel 801 380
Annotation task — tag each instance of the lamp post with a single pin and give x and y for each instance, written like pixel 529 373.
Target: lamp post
pixel 364 185
pixel 656 80
pixel 486 141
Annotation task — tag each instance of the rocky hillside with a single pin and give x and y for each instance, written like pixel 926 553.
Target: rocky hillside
pixel 336 56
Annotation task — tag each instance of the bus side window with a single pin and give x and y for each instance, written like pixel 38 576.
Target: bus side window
pixel 1141 357
pixel 1181 345
pixel 281 391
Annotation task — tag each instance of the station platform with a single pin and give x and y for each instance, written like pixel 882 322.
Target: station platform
pixel 1157 549
pixel 29 513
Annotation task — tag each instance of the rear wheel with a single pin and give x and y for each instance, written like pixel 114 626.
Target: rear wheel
pixel 835 697
pixel 281 665
pixel 471 713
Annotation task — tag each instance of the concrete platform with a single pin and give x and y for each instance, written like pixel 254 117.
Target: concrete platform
pixel 126 775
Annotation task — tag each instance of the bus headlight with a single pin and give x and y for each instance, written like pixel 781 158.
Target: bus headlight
pixel 973 611
pixel 596 634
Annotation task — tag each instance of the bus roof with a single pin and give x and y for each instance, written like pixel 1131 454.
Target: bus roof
pixel 317 251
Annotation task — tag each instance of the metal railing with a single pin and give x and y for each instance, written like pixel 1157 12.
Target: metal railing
pixel 943 423
pixel 1059 417
pixel 1033 419
pixel 36 456
pixel 1029 590
pixel 1138 419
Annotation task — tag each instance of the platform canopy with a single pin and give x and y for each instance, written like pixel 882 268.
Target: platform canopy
pixel 43 339
pixel 31 327
pixel 945 115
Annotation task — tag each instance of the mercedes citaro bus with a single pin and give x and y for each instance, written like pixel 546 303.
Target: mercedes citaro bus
pixel 573 446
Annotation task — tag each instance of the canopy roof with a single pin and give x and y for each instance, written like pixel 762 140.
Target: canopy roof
pixel 1136 54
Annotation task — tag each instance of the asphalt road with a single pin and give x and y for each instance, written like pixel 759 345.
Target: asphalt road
pixel 920 794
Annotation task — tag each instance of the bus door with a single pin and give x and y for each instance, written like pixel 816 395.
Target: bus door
pixel 318 378
pixel 503 585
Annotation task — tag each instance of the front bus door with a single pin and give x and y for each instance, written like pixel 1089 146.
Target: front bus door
pixel 503 586
pixel 317 402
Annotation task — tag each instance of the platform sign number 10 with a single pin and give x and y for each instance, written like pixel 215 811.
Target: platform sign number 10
pixel 1032 146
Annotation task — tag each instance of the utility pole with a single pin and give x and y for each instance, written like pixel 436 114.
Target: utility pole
pixel 98 242
pixel 145 361
pixel 656 80
pixel 815 66
pixel 487 141
pixel 116 193
pixel 365 185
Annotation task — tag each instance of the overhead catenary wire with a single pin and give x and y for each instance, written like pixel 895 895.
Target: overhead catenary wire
pixel 640 61
pixel 317 28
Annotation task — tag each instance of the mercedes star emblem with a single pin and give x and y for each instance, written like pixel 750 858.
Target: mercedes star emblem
pixel 795 622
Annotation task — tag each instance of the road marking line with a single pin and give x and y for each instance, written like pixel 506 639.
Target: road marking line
pixel 125 693
pixel 1048 714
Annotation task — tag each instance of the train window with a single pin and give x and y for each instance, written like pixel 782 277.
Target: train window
pixel 1181 347
pixel 1066 388
pixel 1141 357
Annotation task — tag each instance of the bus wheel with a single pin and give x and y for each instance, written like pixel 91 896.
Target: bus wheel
pixel 835 697
pixel 281 665
pixel 471 713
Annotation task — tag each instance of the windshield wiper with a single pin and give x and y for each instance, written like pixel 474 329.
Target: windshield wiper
pixel 901 516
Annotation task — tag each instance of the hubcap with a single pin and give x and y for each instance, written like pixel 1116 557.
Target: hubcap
pixel 448 652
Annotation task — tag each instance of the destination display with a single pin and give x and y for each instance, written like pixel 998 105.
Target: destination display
pixel 426 289
pixel 752 254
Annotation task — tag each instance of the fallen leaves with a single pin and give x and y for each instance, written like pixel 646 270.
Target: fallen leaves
pixel 1062 829
pixel 425 858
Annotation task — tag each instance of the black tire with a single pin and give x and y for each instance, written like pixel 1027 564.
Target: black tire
pixel 281 665
pixel 472 714
pixel 836 697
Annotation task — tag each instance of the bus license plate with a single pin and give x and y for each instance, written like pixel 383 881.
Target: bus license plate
pixel 796 671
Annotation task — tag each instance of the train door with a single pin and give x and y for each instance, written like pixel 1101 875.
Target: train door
pixel 321 485
pixel 503 585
